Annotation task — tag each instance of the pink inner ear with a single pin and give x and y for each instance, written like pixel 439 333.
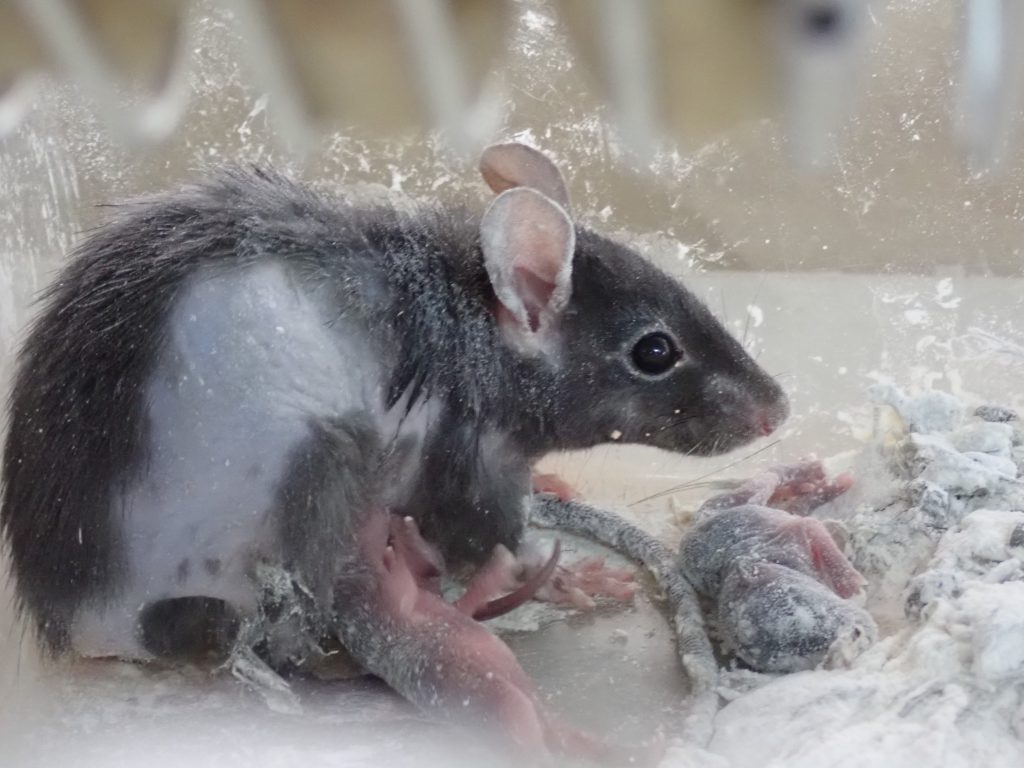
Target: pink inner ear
pixel 538 248
pixel 535 293
pixel 528 242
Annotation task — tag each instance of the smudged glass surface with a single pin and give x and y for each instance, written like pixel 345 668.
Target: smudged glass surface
pixel 894 263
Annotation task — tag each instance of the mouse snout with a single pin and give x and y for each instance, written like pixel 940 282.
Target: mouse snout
pixel 768 421
pixel 769 418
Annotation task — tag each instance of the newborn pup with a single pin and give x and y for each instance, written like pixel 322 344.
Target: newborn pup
pixel 778 581
pixel 451 665
pixel 241 375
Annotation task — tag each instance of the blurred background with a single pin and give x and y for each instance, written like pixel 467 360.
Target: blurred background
pixel 852 212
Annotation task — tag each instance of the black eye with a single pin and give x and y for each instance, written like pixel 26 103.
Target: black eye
pixel 655 353
pixel 823 20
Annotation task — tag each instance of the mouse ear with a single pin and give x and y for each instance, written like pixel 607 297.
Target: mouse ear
pixel 505 166
pixel 528 242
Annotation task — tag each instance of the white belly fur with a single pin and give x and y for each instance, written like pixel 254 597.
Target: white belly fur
pixel 250 357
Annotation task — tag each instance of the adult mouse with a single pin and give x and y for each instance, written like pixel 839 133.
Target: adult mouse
pixel 246 373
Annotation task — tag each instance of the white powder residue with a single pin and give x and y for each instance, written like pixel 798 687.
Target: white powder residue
pixel 935 525
pixel 756 315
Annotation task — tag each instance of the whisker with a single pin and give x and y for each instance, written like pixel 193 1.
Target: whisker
pixel 677 423
pixel 697 446
pixel 692 483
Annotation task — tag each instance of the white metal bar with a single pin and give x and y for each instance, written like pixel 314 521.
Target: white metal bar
pixel 428 27
pixel 16 102
pixel 71 45
pixel 989 77
pixel 626 45
pixel 270 69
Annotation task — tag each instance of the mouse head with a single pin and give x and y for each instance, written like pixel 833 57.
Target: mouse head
pixel 631 355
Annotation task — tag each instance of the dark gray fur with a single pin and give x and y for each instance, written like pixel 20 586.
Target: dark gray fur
pixel 768 605
pixel 716 542
pixel 78 428
pixel 777 619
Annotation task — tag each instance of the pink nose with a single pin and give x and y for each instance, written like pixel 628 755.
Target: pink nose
pixel 768 416
pixel 766 425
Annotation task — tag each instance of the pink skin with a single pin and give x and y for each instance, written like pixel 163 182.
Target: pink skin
pixel 798 489
pixel 496 576
pixel 802 488
pixel 493 578
pixel 574 586
pixel 578 585
pixel 556 486
pixel 423 560
pixel 472 674
pixel 828 561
